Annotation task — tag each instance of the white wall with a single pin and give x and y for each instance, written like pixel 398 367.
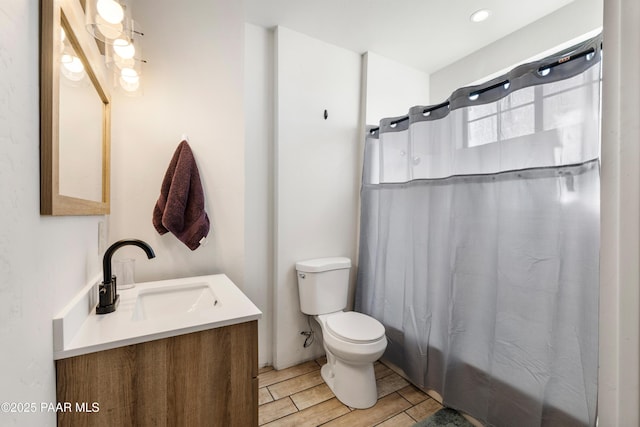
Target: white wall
pixel 391 88
pixel 258 233
pixel 193 84
pixel 44 261
pixel 316 179
pixel 569 22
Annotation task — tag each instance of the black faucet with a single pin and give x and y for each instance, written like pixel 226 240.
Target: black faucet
pixel 108 297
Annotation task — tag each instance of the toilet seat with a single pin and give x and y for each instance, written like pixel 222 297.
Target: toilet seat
pixel 354 327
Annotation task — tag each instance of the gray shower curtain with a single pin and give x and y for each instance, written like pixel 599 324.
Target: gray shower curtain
pixel 479 243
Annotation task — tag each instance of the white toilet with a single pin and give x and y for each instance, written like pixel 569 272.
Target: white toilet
pixel 352 341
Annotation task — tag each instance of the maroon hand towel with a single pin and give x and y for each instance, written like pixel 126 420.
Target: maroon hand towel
pixel 180 207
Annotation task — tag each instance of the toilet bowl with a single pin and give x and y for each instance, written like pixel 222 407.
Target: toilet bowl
pixel 352 341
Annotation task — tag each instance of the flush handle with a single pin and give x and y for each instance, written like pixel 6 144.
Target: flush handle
pixel 301 275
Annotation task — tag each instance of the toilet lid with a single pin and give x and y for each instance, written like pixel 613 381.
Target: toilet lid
pixel 355 327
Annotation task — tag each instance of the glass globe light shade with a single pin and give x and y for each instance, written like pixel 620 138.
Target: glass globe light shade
pixel 72 67
pixel 109 30
pixel 124 49
pixel 129 79
pixel 110 11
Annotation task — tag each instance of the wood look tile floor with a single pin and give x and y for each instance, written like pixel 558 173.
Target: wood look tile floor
pixel 298 396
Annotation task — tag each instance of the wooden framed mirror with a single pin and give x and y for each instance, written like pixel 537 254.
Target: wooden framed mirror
pixel 75 110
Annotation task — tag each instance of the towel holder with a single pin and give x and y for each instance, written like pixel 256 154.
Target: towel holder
pixel 184 137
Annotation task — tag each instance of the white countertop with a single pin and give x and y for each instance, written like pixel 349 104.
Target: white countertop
pixel 79 330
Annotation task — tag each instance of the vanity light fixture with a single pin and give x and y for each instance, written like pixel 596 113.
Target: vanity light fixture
pixel 124 61
pixel 480 15
pixel 110 22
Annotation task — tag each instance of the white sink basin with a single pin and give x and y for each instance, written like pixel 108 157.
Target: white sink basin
pixel 150 311
pixel 168 301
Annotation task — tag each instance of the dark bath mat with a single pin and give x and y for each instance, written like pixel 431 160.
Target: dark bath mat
pixel 444 418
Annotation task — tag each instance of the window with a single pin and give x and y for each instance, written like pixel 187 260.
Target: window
pixel 525 111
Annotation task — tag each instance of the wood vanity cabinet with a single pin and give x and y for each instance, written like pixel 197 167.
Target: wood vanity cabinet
pixel 207 378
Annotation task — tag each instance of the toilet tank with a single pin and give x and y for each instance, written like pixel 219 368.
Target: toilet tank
pixel 323 284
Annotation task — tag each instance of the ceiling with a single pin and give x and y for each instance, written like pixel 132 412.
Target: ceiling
pixel 424 34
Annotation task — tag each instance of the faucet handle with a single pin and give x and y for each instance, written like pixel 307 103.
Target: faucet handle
pixel 108 298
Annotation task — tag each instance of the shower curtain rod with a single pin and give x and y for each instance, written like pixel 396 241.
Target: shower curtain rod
pixel 540 70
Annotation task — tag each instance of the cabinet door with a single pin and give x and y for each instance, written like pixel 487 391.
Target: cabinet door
pixel 206 378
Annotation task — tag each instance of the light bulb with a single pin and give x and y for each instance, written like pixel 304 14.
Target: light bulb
pixel 129 79
pixel 124 49
pixel 109 30
pixel 129 75
pixel 66 58
pixel 72 63
pixel 129 87
pixel 72 67
pixel 110 11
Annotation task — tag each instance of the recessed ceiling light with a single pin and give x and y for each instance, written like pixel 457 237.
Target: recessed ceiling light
pixel 480 15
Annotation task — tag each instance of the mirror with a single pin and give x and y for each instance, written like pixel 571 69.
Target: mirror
pixel 80 130
pixel 75 115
